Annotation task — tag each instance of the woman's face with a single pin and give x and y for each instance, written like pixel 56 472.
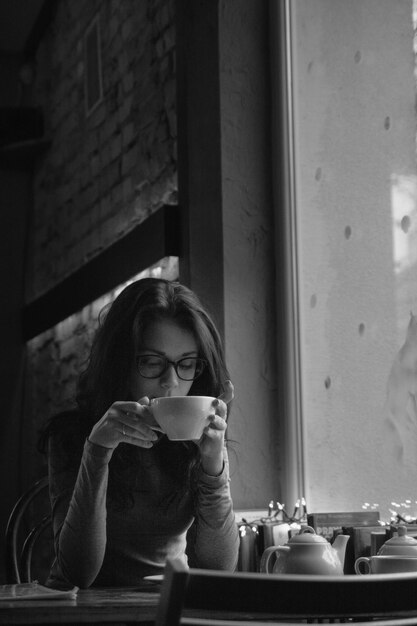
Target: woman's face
pixel 164 338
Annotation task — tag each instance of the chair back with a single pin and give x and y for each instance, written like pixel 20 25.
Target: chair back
pixel 195 596
pixel 23 534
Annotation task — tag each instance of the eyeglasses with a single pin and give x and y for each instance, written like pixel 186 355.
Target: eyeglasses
pixel 153 366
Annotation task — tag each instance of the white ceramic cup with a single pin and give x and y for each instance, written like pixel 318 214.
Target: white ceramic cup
pixel 389 564
pixel 182 418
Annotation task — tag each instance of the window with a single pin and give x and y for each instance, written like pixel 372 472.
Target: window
pixel 345 125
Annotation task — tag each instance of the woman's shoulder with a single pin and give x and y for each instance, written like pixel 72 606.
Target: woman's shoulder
pixel 70 426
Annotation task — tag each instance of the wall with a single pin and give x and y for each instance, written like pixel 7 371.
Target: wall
pixel 356 210
pixel 106 172
pixel 250 325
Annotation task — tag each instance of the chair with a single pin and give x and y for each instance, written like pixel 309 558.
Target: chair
pixel 20 551
pixel 196 597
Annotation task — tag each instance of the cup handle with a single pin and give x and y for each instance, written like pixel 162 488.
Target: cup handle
pixel 154 426
pixel 366 565
pixel 264 565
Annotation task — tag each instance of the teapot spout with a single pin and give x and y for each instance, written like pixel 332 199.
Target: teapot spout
pixel 339 544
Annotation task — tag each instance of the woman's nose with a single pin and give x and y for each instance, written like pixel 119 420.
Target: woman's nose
pixel 169 378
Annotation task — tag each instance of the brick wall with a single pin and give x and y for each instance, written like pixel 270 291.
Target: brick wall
pixel 103 173
pixel 106 172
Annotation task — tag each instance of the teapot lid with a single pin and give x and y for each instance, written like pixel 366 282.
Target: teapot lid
pixel 402 538
pixel 307 535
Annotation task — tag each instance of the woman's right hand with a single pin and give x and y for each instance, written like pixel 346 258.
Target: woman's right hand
pixel 125 422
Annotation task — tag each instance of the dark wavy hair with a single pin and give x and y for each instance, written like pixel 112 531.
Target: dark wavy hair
pixel 106 378
pixel 108 371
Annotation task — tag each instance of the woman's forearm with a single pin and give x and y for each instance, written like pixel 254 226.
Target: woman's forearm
pixel 215 542
pixel 79 517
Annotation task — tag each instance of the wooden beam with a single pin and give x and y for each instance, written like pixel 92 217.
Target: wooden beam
pixel 155 238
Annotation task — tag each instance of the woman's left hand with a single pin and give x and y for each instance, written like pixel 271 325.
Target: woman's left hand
pixel 212 442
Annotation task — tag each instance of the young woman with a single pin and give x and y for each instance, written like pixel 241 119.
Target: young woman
pixel 124 497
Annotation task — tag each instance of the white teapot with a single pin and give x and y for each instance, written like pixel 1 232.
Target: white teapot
pixel 306 553
pixel 402 545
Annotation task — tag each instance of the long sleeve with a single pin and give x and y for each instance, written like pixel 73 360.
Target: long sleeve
pixel 79 514
pixel 213 540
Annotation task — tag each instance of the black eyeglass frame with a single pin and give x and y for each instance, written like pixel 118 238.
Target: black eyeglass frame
pixel 200 362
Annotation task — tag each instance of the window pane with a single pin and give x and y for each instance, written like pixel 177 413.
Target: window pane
pixel 355 225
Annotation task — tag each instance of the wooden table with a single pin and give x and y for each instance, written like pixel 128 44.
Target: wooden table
pixel 116 606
